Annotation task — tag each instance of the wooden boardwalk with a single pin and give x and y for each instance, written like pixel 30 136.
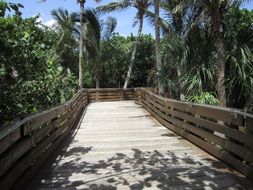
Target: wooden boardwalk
pixel 118 145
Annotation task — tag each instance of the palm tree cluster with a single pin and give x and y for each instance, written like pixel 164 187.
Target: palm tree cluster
pixel 185 24
pixel 86 29
pixel 192 57
pixel 141 6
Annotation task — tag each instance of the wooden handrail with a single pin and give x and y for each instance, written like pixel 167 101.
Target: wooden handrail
pixel 225 133
pixel 26 144
pixel 111 94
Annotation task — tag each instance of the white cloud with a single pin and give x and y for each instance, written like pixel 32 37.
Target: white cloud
pixel 43 22
pixel 50 23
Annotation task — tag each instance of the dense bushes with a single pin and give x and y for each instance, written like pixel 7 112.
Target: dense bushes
pixel 31 77
pixel 39 65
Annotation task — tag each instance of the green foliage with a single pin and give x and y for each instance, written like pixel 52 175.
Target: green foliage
pixel 171 51
pixel 239 38
pixel 204 98
pixel 67 32
pixel 144 69
pixel 115 59
pixel 31 78
pixel 114 54
pixel 39 66
pixel 190 56
pixel 4 6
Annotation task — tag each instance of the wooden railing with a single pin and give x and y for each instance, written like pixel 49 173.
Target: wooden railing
pixel 223 132
pixel 26 145
pixel 110 94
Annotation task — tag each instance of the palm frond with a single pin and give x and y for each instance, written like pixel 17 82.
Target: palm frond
pixel 110 26
pixel 164 25
pixel 93 23
pixel 114 6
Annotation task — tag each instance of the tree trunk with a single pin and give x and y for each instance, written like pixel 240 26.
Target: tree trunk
pixel 98 67
pixel 130 67
pixel 157 45
pixel 81 44
pixel 179 75
pixel 221 55
pixel 97 84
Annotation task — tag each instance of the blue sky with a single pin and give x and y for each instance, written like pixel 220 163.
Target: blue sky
pixel 125 18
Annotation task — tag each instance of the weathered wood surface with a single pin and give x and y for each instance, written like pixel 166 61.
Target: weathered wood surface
pixel 26 144
pixel 223 132
pixel 119 145
pixel 110 94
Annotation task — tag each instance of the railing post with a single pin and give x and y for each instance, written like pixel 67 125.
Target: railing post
pixel 122 94
pixel 249 125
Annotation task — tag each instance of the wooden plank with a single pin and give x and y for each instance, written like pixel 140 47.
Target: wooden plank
pixel 36 121
pixel 24 146
pixel 9 139
pixel 229 115
pixel 224 143
pixel 119 93
pixel 157 105
pixel 158 99
pixel 110 90
pixel 229 132
pixel 22 182
pixel 249 125
pixel 8 130
pixel 14 154
pixel 20 167
pixel 235 163
pixel 246 170
pixel 108 94
pixel 235 134
pixel 111 94
pixel 137 149
pixel 18 158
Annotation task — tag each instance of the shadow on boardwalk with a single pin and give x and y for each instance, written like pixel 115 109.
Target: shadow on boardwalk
pixel 135 171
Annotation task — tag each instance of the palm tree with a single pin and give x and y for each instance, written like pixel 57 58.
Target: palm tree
pixel 175 12
pixel 141 6
pixel 215 11
pixel 92 40
pixel 82 36
pixel 109 28
pixel 67 28
pixel 81 46
pixel 92 44
pixel 83 29
pixel 66 24
pixel 157 43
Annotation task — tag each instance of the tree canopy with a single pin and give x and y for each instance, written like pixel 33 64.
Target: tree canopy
pixel 39 66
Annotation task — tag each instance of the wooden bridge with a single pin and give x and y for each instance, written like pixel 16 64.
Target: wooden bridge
pixel 133 139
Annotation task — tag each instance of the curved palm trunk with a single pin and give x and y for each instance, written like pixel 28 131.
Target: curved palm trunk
pixel 97 84
pixel 81 44
pixel 181 86
pixel 221 56
pixel 130 67
pixel 98 72
pixel 157 45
